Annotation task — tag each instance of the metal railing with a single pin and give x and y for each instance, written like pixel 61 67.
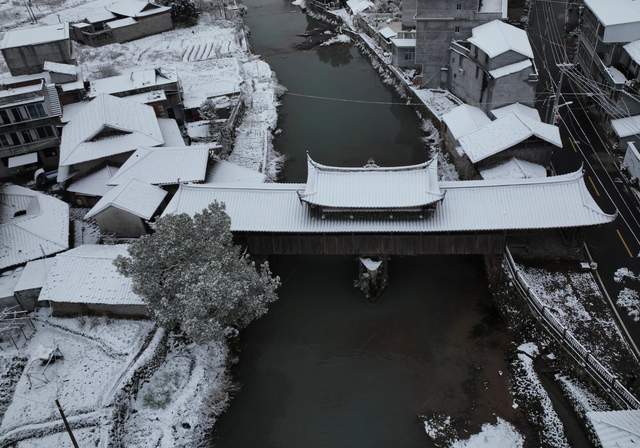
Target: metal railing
pixel 583 357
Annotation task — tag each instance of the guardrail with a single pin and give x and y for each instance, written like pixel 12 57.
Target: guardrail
pixel 583 357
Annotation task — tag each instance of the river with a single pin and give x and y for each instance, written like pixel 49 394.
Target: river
pixel 325 368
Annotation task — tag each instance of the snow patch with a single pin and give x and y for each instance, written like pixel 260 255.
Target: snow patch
pixel 338 39
pixel 500 435
pixel 629 299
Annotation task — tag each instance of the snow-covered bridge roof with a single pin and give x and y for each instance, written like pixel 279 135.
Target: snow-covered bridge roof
pixel 371 187
pixel 468 206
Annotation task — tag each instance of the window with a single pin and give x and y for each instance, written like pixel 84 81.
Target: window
pixel 17 114
pixel 4 141
pixel 36 110
pixel 457 28
pixel 459 6
pixel 50 152
pixel 460 60
pixel 13 138
pixel 4 117
pixel 410 55
pixel 26 136
pixel 477 71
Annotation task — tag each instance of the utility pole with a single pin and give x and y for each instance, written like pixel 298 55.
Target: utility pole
pixel 556 101
pixel 66 425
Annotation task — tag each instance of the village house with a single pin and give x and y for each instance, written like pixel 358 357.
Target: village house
pixel 158 88
pixel 25 50
pixel 608 51
pixel 460 121
pixel 125 210
pixel 403 50
pixel 122 21
pixel 32 225
pixel 222 171
pixel 439 22
pixel 29 121
pixel 494 67
pixel 106 130
pixel 85 191
pixel 84 280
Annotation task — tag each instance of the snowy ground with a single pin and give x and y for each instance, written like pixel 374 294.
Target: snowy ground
pixel 84 232
pixel 629 297
pixel 575 300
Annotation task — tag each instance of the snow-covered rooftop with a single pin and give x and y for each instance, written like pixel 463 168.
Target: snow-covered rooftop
pixel 371 187
pixel 135 197
pixel 498 37
pixel 33 275
pixel 518 109
pixel 358 6
pixel 134 80
pixel 616 429
pixel 514 169
pixel 404 43
pixel 465 119
pixel 633 50
pixel 32 225
pixel 387 32
pixel 127 21
pixel 626 127
pixel 165 166
pixel 624 11
pixel 136 8
pixel 222 171
pixel 511 68
pixel 170 131
pixel 94 183
pixel 34 35
pixel 87 274
pixel 504 133
pixel 495 7
pixel 57 67
pixel 543 203
pixel 106 126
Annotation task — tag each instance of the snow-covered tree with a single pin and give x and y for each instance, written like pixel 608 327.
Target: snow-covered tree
pixel 184 12
pixel 193 277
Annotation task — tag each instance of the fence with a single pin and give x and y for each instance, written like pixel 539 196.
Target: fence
pixel 583 357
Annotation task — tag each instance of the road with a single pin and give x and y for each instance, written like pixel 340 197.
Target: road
pixel 617 244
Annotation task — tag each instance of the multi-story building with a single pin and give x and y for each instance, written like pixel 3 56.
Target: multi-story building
pixel 494 67
pixel 29 121
pixel 438 22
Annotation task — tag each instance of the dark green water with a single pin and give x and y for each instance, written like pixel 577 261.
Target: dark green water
pixel 325 368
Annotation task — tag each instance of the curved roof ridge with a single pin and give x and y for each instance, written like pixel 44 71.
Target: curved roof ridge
pixel 364 168
pixel 567 177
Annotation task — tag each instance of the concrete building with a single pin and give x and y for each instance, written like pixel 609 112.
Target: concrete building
pixel 29 128
pixel 403 50
pixel 84 280
pixel 159 88
pixel 408 9
pixel 439 22
pixel 125 210
pixel 123 21
pixel 25 50
pixel 608 51
pixel 494 67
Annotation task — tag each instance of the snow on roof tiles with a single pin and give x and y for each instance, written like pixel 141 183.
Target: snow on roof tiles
pixel 87 274
pixel 57 67
pixel 624 11
pixel 222 171
pixel 465 119
pixel 514 169
pixel 498 37
pixel 33 275
pixel 504 133
pixel 95 183
pixel 170 131
pixel 626 127
pixel 165 166
pixel 511 69
pixel 134 80
pixel 518 109
pixel 135 197
pixel 633 50
pixel 404 43
pixel 387 32
pixel 121 23
pixel 35 35
pixel 371 187
pixel 32 225
pixel 357 6
pixel 136 8
pixel 468 206
pixel 124 126
pixel 616 429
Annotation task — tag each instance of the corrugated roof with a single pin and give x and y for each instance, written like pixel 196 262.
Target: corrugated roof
pixel 498 37
pixel 504 133
pixel 170 131
pixel 222 171
pixel 165 166
pixel 617 429
pixel 465 119
pixel 32 225
pixel 511 68
pixel 371 187
pixel 33 275
pixel 468 206
pixel 514 169
pixel 133 196
pixel 106 126
pixel 134 80
pixel 87 274
pixel 35 35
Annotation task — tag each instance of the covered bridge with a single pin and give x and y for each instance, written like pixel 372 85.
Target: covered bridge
pixel 400 211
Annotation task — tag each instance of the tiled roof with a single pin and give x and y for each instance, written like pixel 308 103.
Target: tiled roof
pixel 133 196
